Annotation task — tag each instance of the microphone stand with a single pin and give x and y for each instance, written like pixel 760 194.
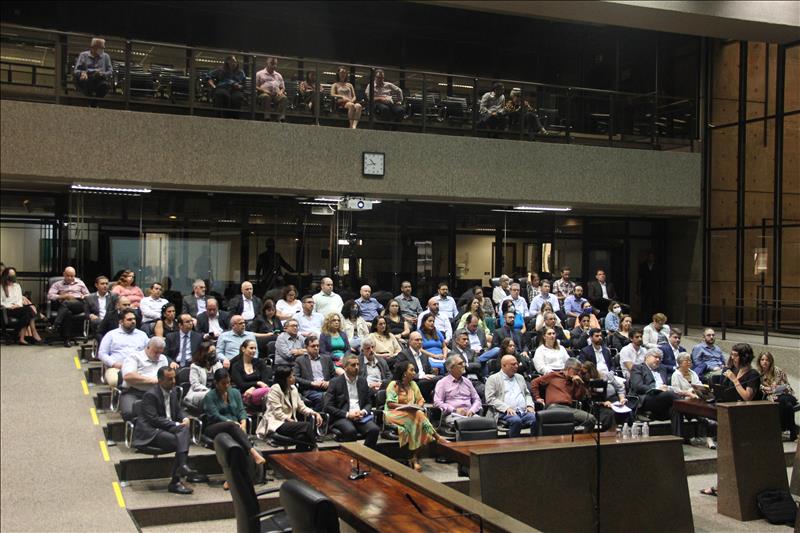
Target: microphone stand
pixel 596 399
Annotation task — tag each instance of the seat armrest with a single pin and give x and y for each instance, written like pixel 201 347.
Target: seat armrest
pixel 266 491
pixel 269 512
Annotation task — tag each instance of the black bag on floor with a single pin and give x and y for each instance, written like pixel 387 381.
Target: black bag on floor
pixel 777 506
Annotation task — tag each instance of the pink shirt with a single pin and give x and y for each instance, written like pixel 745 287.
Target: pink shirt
pixel 271 83
pixel 133 293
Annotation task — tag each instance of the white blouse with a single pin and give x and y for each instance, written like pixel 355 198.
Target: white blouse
pixel 547 360
pixel 14 297
pixel 283 307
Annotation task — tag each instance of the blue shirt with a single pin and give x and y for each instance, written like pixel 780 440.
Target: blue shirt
pixel 90 64
pixel 117 345
pixel 707 356
pixel 612 322
pixel 433 345
pixel 447 306
pixel 227 79
pixel 513 397
pixel 229 342
pixel 572 305
pixel 369 309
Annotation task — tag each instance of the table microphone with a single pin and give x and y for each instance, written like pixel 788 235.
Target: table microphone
pixel 356 472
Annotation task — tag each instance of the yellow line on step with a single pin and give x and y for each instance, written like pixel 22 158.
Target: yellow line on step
pixel 77 362
pixel 95 420
pixel 85 387
pixel 118 492
pixel 104 451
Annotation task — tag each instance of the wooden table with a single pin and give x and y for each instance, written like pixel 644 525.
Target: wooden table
pixel 695 407
pixel 460 451
pixel 377 503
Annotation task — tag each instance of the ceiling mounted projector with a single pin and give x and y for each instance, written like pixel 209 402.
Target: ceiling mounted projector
pixel 355 204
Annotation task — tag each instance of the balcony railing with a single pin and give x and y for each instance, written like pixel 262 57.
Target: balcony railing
pixel 37 65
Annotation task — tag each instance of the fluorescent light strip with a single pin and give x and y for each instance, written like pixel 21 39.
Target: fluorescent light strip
pixel 98 188
pixel 516 211
pixel 541 208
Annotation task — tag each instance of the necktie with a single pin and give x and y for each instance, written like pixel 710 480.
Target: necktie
pixel 185 351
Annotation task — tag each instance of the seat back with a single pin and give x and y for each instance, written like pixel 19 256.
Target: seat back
pixel 554 422
pixel 307 509
pixel 233 460
pixel 475 428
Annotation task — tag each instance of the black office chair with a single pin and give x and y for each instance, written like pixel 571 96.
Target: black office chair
pixel 474 428
pixel 130 426
pixel 9 324
pixel 240 472
pixel 555 422
pixel 308 510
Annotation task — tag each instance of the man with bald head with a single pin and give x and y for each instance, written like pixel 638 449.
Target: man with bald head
pixel 441 322
pixel 212 322
pixel 509 397
pixel 229 341
pixel 245 304
pixel 368 306
pixel 326 301
pixel 67 296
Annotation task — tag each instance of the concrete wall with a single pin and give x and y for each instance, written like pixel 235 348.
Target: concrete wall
pixel 63 144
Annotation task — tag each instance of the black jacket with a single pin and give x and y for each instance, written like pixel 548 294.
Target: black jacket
pixel 406 355
pixel 153 416
pixel 202 321
pixel 305 376
pixel 337 399
pixel 173 345
pixel 236 305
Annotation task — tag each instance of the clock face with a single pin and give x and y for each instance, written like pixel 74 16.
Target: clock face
pixel 374 164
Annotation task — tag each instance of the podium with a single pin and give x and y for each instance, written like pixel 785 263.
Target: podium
pixel 750 456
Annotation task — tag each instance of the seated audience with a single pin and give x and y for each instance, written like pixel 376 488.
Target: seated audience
pixel 309 321
pixel 97 304
pixel 551 321
pixel 388 99
pixel 225 413
pixel 613 317
pixel 447 305
pixel 586 307
pixel 289 306
pixel 621 337
pixel 245 303
pixel 227 81
pixel 213 322
pixel 508 396
pixel 563 287
pixel 508 331
pixel 163 424
pixel 600 293
pixel 183 343
pixel 775 388
pixel 564 388
pixel 313 372
pixel 326 301
pixel 229 341
pixel 474 309
pixel 648 380
pixel 204 363
pixel 454 394
pixel 150 306
pixel 433 342
pixel 478 344
pixel 597 354
pixel 614 393
pixel 413 353
pixel 18 306
pixel 520 305
pixel 307 89
pixel 250 375
pixel 486 303
pixel 354 326
pixel 266 325
pixel 707 357
pixel 167 322
pixel 656 333
pixel 522 116
pixel 550 355
pixel 502 290
pixel 126 286
pixel 404 409
pixel 671 350
pixel 344 95
pixel 397 324
pixel 410 307
pixel 440 321
pixel 386 345
pixel 573 304
pixel 139 374
pixel 271 90
pixel 373 368
pixel 368 306
pixel 333 341
pixel 544 310
pixel 119 344
pixel 579 337
pixel 111 320
pixel 195 303
pixel 348 401
pixel 289 344
pixel 544 296
pixel 519 318
pixel 67 296
pixel 492 113
pixel 634 353
pixel 684 380
pixel 94 72
pixel 284 409
pixel 533 286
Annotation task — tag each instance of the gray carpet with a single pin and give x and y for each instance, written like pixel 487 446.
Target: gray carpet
pixel 52 473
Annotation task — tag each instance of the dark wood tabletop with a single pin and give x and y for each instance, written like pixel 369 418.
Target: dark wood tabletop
pixel 459 451
pixel 377 503
pixel 695 407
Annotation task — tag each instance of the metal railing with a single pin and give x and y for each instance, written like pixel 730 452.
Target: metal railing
pixel 172 77
pixel 764 315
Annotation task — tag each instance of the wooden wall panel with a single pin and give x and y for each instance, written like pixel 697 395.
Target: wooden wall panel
pixel 759 90
pixel 791 99
pixel 791 170
pixel 723 159
pixel 723 209
pixel 725 65
pixel 723 256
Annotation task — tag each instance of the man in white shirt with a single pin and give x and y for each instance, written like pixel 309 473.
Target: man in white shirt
pixel 499 293
pixel 151 305
pixel 120 343
pixel 271 90
pixel 326 301
pixel 520 305
pixel 633 353
pixel 544 296
pixel 447 305
pixel 97 304
pixel 310 321
pixel 441 322
pixel 139 372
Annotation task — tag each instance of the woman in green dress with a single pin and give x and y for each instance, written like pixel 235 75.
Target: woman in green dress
pixel 404 409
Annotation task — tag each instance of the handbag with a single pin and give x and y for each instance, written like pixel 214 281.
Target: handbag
pixel 777 506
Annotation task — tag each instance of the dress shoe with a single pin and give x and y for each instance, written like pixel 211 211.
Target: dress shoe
pixel 179 488
pixel 192 476
pixel 51 328
pixel 67 343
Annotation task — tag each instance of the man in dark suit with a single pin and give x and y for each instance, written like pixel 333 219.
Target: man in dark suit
pixel 523 357
pixel 348 401
pixel 91 303
pixel 245 304
pixel 112 318
pixel 182 344
pixel 163 424
pixel 648 380
pixel 212 321
pixel 670 350
pixel 195 303
pixel 426 379
pixel 313 372
pixel 472 365
pixel 604 363
pixel 601 293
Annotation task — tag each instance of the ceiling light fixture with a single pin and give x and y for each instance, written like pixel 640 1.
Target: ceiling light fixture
pixel 100 188
pixel 541 208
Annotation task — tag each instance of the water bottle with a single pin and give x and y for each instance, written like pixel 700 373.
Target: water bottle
pixel 626 431
pixel 619 432
pixel 635 430
pixel 646 430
